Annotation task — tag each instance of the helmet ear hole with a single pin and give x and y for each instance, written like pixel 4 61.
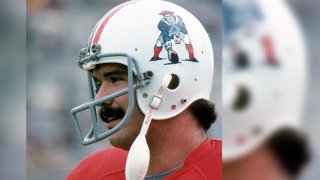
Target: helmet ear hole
pixel 174 83
pixel 243 99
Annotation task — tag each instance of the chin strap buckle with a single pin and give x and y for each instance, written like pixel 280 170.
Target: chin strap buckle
pixel 155 102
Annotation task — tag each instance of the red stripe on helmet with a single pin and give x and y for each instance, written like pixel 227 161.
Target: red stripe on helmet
pixel 268 47
pixel 105 21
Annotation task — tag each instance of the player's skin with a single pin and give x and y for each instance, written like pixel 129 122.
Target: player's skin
pixel 168 140
pixel 260 164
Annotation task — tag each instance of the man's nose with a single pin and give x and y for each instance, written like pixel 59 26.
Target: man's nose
pixel 104 90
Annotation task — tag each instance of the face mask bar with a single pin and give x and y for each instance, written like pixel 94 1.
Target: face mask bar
pixel 93 134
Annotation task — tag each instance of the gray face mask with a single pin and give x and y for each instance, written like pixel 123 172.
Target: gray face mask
pixel 94 135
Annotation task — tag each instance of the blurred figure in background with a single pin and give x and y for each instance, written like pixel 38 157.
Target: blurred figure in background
pixel 264 80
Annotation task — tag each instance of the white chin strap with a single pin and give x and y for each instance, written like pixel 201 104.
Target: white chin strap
pixel 139 155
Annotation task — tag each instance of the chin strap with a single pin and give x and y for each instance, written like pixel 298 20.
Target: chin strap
pixel 139 154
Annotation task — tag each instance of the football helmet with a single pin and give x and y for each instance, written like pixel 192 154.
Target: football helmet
pixel 153 38
pixel 263 74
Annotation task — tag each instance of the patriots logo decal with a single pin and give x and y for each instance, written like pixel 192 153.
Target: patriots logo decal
pixel 172 32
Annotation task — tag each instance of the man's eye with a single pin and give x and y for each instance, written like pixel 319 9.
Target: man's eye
pixel 116 79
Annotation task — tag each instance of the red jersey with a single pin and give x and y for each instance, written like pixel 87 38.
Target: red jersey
pixel 204 162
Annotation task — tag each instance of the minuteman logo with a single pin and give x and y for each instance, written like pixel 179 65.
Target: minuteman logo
pixel 173 31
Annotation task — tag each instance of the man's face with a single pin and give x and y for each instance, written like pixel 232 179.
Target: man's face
pixel 112 78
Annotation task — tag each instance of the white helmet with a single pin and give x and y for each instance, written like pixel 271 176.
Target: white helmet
pixel 153 38
pixel 264 73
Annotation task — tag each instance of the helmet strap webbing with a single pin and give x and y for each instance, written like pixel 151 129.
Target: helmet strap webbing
pixel 136 165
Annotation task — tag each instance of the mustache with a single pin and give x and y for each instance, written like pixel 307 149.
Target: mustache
pixel 109 113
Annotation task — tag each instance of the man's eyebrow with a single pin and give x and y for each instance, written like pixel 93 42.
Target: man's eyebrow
pixel 116 72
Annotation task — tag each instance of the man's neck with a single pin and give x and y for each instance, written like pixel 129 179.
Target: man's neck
pixel 260 164
pixel 172 140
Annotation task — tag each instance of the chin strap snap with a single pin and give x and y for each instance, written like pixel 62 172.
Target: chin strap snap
pixel 139 155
